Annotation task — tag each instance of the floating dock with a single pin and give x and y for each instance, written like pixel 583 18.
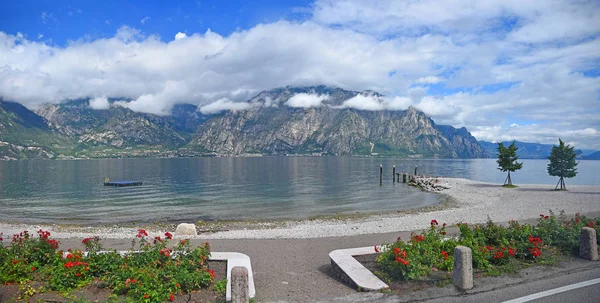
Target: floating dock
pixel 122 183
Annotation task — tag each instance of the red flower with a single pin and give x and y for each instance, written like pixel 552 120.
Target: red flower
pixel 146 296
pixel 78 274
pixel 69 256
pixel 546 217
pixel 434 222
pixel 157 239
pixel 399 239
pixel 142 233
pixel 443 232
pixel 376 250
pixel 419 238
pixel 512 251
pixel 33 268
pixel 182 242
pixel 542 215
pixel 211 272
pixel 498 255
pixel 168 235
pixel 591 224
pixel 535 252
pixel 15 261
pixel 444 225
pixel 172 298
pixel 445 254
pixel 177 285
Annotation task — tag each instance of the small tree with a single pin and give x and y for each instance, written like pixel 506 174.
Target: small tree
pixel 562 163
pixel 507 160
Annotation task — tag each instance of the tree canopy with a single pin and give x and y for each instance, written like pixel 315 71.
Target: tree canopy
pixel 562 163
pixel 507 160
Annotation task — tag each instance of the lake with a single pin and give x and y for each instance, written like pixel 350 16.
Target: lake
pixel 190 189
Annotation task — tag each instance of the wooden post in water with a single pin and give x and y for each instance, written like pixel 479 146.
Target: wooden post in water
pixel 394 173
pixel 415 170
pixel 404 178
pixel 380 174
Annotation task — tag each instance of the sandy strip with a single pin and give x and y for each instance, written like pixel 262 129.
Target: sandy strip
pixel 474 202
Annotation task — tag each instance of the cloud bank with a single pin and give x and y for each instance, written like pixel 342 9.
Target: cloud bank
pixel 480 64
pixel 306 100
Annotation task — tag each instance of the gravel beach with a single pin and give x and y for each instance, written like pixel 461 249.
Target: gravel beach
pixel 472 202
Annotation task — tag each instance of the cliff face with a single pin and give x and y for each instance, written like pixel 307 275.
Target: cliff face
pixel 274 128
pixel 270 126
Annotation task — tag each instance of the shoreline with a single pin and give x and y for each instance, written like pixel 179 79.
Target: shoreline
pixel 466 201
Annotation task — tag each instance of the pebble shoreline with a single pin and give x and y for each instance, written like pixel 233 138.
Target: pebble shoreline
pixel 475 201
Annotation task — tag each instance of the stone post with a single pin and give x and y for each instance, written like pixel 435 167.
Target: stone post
pixel 588 247
pixel 239 285
pixel 462 277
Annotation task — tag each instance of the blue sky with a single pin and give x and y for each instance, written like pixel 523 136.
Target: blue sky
pixel 65 20
pixel 503 69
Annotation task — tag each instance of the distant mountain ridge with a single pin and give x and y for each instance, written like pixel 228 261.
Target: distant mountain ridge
pixel 268 127
pixel 526 150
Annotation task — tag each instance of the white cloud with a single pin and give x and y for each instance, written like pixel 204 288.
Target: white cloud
pixel 108 21
pixel 306 100
pixel 364 102
pixel 180 36
pixel 144 20
pixel 46 17
pixel 428 80
pixel 99 103
pixel 492 62
pixel 223 105
pixel 40 36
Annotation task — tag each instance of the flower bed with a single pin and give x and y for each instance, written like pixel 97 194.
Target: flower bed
pixel 496 249
pixel 156 272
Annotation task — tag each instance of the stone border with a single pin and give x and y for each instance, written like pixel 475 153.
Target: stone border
pixel 351 271
pixel 233 259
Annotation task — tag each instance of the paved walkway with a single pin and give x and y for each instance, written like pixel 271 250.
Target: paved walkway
pixel 289 270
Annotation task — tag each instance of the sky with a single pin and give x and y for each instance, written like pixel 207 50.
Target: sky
pixel 505 70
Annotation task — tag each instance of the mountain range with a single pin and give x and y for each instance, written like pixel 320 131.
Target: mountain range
pixel 269 124
pixel 534 150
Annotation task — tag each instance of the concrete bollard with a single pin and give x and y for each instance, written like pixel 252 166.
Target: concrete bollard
pixel 239 285
pixel 588 247
pixel 462 277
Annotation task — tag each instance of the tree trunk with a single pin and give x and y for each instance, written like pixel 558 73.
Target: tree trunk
pixel 508 181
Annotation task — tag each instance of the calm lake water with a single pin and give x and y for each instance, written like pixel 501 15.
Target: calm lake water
pixel 189 189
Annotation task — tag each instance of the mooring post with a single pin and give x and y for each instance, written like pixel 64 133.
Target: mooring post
pixel 380 174
pixel 404 178
pixel 415 170
pixel 394 173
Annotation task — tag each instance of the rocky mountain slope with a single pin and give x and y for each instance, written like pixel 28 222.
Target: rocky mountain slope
pixel 274 128
pixel 270 126
pixel 25 135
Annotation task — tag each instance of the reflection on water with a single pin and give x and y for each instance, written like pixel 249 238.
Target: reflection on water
pixel 190 189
